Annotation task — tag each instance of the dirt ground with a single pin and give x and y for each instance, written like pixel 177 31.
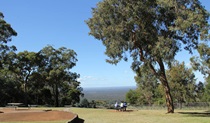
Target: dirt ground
pixel 11 114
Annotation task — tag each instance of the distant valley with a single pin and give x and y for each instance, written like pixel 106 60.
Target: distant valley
pixel 106 93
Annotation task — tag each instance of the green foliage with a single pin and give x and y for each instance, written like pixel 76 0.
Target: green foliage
pixel 84 103
pixel 182 83
pixel 202 63
pixel 148 92
pixel 206 96
pixel 131 97
pixel 200 89
pixel 6 30
pixel 6 33
pixel 56 71
pixel 41 78
pixel 9 90
pixel 147 86
pixel 148 29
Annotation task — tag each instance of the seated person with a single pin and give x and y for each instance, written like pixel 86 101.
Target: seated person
pixel 125 106
pixel 116 106
pixel 121 106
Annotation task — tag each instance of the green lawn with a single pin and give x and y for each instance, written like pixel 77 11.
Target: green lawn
pixel 142 116
pixel 38 122
pixel 137 116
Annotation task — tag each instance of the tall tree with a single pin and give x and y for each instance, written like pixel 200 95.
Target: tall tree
pixel 56 69
pixel 152 32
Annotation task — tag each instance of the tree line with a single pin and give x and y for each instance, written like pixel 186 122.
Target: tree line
pixel 182 81
pixel 41 78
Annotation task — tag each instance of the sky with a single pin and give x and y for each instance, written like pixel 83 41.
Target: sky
pixel 61 23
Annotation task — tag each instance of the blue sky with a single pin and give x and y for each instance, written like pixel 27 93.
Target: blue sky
pixel 61 23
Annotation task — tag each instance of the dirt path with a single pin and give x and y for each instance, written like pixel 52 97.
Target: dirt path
pixel 34 115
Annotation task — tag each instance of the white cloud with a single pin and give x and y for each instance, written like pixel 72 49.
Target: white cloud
pixel 90 78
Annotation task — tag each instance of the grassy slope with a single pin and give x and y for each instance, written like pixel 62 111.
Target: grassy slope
pixel 137 116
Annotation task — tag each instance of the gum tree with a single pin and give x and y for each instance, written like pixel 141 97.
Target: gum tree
pixel 151 31
pixel 56 67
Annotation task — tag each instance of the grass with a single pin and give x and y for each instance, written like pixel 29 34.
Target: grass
pixel 39 122
pixel 137 116
pixel 142 116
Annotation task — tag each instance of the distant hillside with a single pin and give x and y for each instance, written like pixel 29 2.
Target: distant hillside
pixel 106 93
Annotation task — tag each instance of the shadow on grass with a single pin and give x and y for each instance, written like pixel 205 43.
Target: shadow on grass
pixel 128 111
pixel 122 111
pixel 196 114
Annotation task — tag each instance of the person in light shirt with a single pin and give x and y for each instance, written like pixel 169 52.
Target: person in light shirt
pixel 116 105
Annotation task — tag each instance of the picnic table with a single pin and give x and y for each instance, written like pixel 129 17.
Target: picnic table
pixel 15 105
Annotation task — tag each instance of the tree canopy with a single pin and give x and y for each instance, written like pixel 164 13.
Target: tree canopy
pixel 40 78
pixel 152 32
pixel 6 33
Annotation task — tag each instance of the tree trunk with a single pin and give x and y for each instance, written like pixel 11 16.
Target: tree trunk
pixel 56 95
pixel 162 77
pixel 164 81
pixel 169 100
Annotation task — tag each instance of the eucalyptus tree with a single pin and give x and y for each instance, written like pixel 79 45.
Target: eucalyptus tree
pixel 151 31
pixel 23 65
pixel 182 82
pixel 56 70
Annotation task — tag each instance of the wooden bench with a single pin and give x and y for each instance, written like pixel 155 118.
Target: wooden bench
pixel 16 105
